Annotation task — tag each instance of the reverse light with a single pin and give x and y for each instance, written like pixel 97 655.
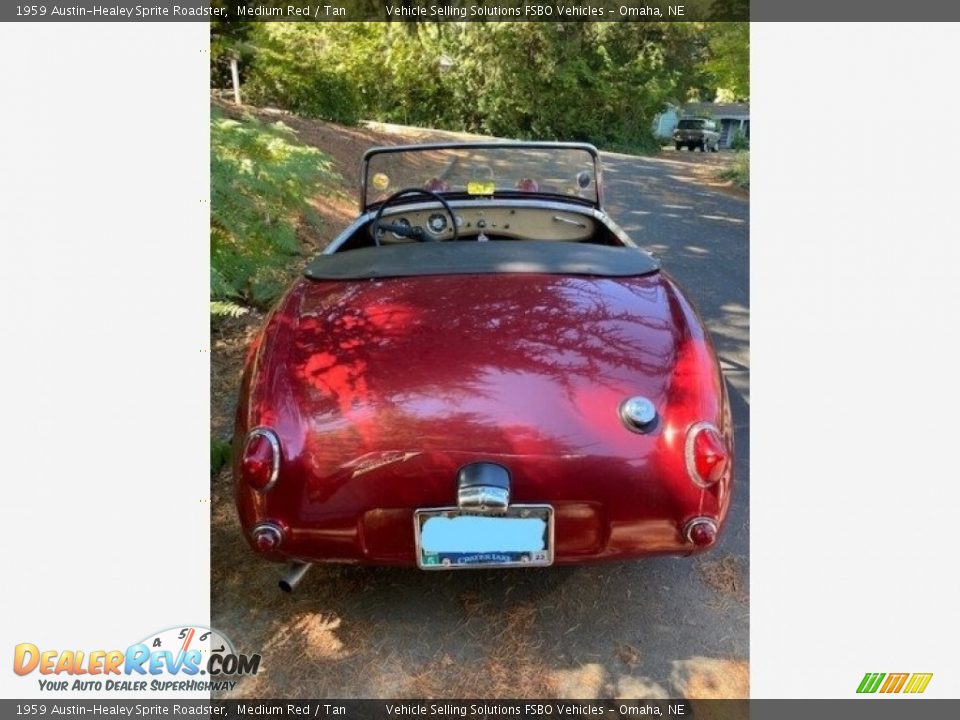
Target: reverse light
pixel 706 454
pixel 260 462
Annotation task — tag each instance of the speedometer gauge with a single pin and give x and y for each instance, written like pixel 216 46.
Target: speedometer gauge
pixel 437 223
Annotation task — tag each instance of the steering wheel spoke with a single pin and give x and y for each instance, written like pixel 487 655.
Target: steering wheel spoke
pixel 414 232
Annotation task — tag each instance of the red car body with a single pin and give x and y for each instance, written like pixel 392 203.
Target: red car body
pixel 380 390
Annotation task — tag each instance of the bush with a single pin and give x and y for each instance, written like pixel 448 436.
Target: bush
pixel 740 142
pixel 294 69
pixel 739 170
pixel 220 452
pixel 596 82
pixel 260 179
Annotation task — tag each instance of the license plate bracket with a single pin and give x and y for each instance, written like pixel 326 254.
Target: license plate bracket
pixel 460 539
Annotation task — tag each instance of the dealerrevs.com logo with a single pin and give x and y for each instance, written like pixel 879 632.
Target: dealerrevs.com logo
pixel 187 658
pixel 911 683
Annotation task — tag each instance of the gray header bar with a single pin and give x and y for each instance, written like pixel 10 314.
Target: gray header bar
pixel 376 10
pixel 853 11
pixel 546 709
pixel 476 10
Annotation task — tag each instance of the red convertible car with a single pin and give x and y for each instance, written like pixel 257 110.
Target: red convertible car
pixel 482 370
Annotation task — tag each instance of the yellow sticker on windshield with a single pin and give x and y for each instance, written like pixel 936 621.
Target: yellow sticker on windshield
pixel 481 187
pixel 380 181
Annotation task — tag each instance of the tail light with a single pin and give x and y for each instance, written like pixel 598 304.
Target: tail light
pixel 706 454
pixel 267 537
pixel 701 531
pixel 260 462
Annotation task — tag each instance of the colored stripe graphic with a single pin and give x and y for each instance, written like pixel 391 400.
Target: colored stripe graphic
pixel 894 683
pixel 870 682
pixel 918 682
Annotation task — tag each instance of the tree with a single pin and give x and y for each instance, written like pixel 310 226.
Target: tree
pixel 729 61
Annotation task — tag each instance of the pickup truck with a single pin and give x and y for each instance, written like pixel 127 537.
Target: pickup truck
pixel 696 133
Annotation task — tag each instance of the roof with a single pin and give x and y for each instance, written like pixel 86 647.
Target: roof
pixel 717 110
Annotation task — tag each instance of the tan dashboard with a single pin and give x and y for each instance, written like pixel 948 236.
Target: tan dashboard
pixel 521 223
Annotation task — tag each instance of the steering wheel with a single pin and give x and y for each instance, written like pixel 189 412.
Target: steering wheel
pixel 411 231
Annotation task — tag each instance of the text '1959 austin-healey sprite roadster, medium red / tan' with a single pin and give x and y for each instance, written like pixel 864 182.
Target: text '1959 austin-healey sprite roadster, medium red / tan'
pixel 482 370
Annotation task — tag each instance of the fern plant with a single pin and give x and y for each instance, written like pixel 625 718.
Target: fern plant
pixel 261 178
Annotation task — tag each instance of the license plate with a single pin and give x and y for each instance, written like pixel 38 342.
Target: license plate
pixel 455 539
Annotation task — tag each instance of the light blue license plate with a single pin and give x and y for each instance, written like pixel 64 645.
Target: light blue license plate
pixel 452 539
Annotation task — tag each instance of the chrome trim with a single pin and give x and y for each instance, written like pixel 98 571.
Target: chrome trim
pixel 551 514
pixel 483 497
pixel 267 527
pixel 638 414
pixel 568 221
pixel 483 145
pixel 688 452
pixel 271 436
pixel 698 521
pixel 555 205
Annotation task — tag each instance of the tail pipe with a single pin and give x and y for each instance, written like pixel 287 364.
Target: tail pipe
pixel 293 576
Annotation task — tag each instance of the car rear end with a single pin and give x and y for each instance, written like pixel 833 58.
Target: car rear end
pixel 408 421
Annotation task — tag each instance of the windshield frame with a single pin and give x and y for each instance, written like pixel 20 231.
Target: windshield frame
pixel 489 144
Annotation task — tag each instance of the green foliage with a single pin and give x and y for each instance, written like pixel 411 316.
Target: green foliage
pixel 598 82
pixel 729 57
pixel 564 81
pixel 294 69
pixel 739 170
pixel 220 453
pixel 260 179
pixel 229 37
pixel 225 308
pixel 740 142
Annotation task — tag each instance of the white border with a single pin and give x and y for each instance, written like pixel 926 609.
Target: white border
pixel 854 263
pixel 104 186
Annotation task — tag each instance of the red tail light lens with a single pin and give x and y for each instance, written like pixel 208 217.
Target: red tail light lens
pixel 701 532
pixel 707 454
pixel 267 537
pixel 260 463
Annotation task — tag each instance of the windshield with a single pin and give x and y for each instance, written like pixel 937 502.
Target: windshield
pixel 691 124
pixel 485 170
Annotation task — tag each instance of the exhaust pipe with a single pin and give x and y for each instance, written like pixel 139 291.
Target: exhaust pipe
pixel 293 576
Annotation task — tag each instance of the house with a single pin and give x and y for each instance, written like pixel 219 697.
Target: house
pixel 731 118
